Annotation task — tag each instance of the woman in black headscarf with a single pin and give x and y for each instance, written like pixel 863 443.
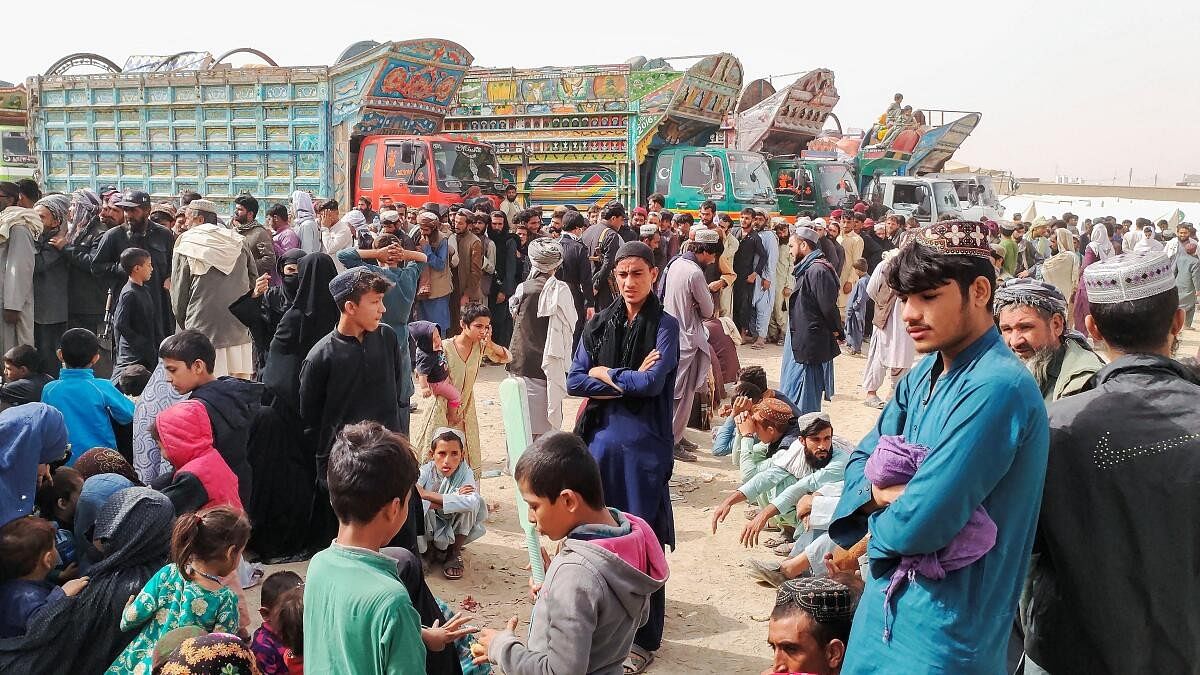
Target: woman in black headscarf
pixel 280 453
pixel 82 634
pixel 261 309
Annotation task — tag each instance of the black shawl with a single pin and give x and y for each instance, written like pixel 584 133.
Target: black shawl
pixel 82 634
pixel 612 342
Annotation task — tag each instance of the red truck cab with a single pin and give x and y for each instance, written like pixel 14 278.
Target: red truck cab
pixel 414 170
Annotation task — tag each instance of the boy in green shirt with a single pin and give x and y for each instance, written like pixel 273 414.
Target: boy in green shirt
pixel 358 618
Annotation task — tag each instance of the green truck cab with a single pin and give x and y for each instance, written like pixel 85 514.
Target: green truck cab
pixel 815 182
pixel 733 179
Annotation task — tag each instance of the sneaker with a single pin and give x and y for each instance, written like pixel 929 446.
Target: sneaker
pixel 683 455
pixel 687 445
pixel 767 572
pixel 874 402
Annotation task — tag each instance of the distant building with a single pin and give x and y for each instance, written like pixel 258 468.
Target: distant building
pixel 1190 180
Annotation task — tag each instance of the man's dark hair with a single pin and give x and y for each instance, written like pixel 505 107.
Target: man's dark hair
pixel 78 346
pixel 189 346
pixel 815 427
pixel 526 215
pixel 715 249
pixel 132 257
pixel 9 189
pixel 685 218
pixel 502 215
pixel 328 205
pixel 366 199
pixel 918 268
pixel 25 356
pixel 188 197
pixel 510 186
pixel 249 203
pixel 750 390
pixel 386 240
pixel 22 543
pixel 859 217
pixel 658 198
pixel 725 218
pixel 573 221
pixel 29 188
pixel 472 312
pixel 709 204
pixel 613 210
pixel 748 211
pixel 365 282
pixel 1136 327
pixel 369 466
pixel 560 461
pixel 755 374
pixel 278 211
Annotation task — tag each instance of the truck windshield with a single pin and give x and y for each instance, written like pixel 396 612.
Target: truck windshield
pixel 836 184
pixel 14 149
pixel 751 177
pixel 458 166
pixel 943 195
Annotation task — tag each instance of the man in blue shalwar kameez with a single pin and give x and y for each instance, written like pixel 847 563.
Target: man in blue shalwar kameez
pixel 625 366
pixel 978 410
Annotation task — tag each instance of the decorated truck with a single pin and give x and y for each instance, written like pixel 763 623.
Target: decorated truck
pixel 191 122
pixel 586 135
pixel 16 162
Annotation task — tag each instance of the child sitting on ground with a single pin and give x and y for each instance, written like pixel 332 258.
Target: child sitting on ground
pixel 56 502
pixel 288 618
pixel 90 406
pixel 188 591
pixel 856 309
pixel 358 617
pixel 430 367
pixel 597 589
pixel 27 555
pixel 136 323
pixel 454 510
pixel 267 645
pixel 23 376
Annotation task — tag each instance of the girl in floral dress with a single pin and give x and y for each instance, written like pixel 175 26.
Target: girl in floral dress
pixel 205 546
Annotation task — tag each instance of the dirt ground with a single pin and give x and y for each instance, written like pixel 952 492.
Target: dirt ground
pixel 716 615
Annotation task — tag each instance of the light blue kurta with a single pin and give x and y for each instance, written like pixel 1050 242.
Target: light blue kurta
pixel 763 481
pixel 986 425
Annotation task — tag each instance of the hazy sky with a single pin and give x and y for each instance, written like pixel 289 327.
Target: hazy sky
pixel 1089 89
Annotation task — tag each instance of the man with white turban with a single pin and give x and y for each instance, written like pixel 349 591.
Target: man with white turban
pixel 544 318
pixel 19 229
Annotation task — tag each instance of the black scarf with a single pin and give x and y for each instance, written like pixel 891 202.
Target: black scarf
pixel 613 343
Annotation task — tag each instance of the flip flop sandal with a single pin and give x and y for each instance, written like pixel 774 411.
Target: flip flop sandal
pixel 777 541
pixel 751 514
pixel 638 661
pixel 454 568
pixel 783 550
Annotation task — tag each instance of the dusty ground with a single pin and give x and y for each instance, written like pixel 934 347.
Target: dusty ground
pixel 716 615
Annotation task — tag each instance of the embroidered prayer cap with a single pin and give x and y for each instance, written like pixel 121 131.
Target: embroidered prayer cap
pixel 774 412
pixel 427 217
pixel 1030 293
pixel 389 216
pixel 648 230
pixel 825 599
pixel 164 207
pixel 707 236
pixel 203 205
pixel 545 254
pixel 1129 276
pixel 440 431
pixel 956 237
pixel 635 249
pixel 808 234
pixel 805 421
pixel 1006 226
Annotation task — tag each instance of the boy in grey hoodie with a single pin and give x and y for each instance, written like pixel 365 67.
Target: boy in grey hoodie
pixel 597 589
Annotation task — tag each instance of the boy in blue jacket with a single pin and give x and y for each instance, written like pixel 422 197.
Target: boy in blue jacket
pixel 90 406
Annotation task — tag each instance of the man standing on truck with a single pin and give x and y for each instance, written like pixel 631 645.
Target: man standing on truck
pixel 254 236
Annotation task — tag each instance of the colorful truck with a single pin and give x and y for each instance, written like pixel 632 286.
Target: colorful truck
pixel 173 124
pixel 16 162
pixel 588 135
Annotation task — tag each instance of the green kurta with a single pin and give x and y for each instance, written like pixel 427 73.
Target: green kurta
pixel 358 617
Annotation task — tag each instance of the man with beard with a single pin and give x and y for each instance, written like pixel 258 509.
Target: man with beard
pixel 87 293
pixel 686 296
pixel 1113 587
pixel 749 264
pixel 254 236
pixel 20 228
pixel 669 241
pixel 979 413
pixel 139 232
pixel 603 240
pixel 783 281
pixel 852 248
pixel 479 227
pixel 506 278
pixel 509 206
pixel 576 271
pixel 814 326
pixel 1032 317
pixel 708 212
pixel 469 270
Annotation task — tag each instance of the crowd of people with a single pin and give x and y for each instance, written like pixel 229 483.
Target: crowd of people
pixel 186 398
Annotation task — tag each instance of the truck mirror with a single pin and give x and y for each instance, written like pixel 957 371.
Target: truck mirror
pixel 406 153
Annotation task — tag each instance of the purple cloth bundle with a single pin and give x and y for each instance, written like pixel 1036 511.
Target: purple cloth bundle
pixel 894 462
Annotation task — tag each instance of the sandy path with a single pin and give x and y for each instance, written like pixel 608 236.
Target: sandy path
pixel 716 615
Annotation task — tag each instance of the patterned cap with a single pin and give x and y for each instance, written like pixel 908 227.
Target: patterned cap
pixel 1129 276
pixel 956 237
pixel 1033 293
pixel 808 234
pixel 825 599
pixel 706 236
pixel 648 230
pixel 774 412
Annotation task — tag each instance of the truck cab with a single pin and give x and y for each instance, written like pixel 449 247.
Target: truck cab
pixel 16 161
pixel 734 179
pixel 414 170
pixel 926 198
pixel 977 195
pixel 812 185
